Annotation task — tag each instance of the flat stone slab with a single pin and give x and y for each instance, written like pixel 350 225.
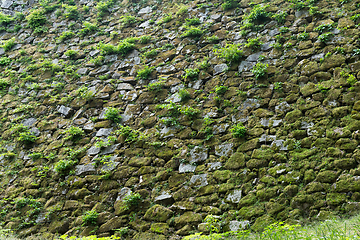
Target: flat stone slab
pixel 184 168
pixel 234 196
pixel 82 170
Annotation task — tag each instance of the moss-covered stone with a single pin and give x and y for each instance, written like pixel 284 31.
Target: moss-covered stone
pixel 345 163
pixel 309 176
pixel 262 222
pixel 139 161
pixel 251 211
pixel 334 199
pixel 149 236
pixel 326 176
pixel 222 175
pixel 187 218
pixel 162 228
pixel 346 144
pixel 236 161
pixel 248 145
pixel 158 213
pixel 267 193
pixel 293 116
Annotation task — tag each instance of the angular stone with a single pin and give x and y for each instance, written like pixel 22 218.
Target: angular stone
pixel 225 149
pixel 87 169
pixel 104 132
pixel 220 68
pixel 234 196
pixel 64 110
pixel 199 180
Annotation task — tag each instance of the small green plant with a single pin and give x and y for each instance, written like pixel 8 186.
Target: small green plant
pixel 37 19
pixel 254 43
pixel 4 83
pixel 156 86
pixel 112 114
pixel 90 218
pixel 72 54
pixel 351 80
pixel 65 36
pixel 191 73
pixel 144 39
pixel 182 11
pixel 213 39
pixel 124 47
pixel 130 135
pixel 229 4
pixel 322 88
pixel 5 61
pixel 340 50
pixel 220 90
pixel 192 21
pixel 88 28
pixel 8 44
pixel 257 14
pixel 5 19
pixel 167 18
pixel 27 137
pixel 151 53
pixel 131 200
pixel 238 131
pixel 284 29
pixel 128 20
pixel 74 133
pixel 325 37
pixel 280 17
pixel 231 53
pixel 144 73
pixel 122 231
pixel 71 12
pixel 103 7
pixel 303 36
pixel 212 224
pixel 190 112
pixel 278 86
pixel 260 70
pixel 324 27
pixel 64 166
pixel 184 95
pixel 355 17
pixel 192 32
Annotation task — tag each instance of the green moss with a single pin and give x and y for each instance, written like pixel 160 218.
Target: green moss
pixel 262 222
pixel 161 228
pixel 293 116
pixel 222 175
pixel 252 211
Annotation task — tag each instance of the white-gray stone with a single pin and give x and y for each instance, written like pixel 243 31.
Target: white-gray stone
pixel 198 154
pixel 238 225
pixel 225 149
pixel 125 191
pixel 199 180
pixel 82 170
pixel 29 122
pixel 64 110
pixel 124 86
pixel 283 107
pixel 93 151
pixel 145 10
pixel 234 196
pixel 254 57
pixel 104 132
pixel 214 166
pixel 184 168
pixel 220 68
